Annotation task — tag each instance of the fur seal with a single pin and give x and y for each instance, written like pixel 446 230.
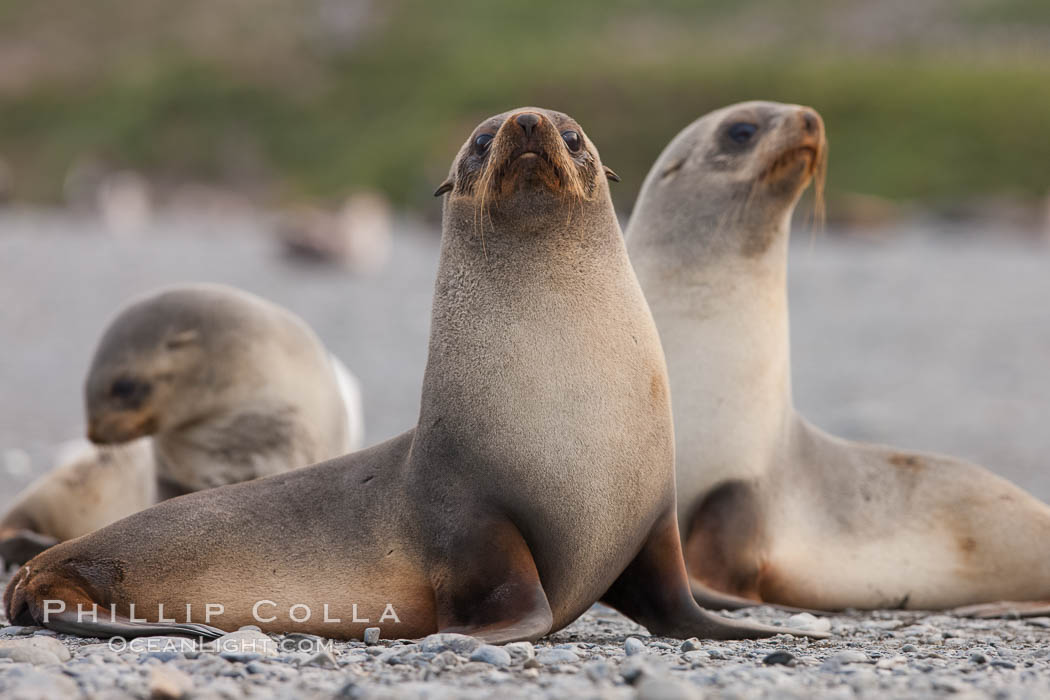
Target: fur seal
pixel 91 487
pixel 538 479
pixel 771 508
pixel 228 387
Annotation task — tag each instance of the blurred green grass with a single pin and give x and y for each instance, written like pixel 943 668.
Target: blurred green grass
pixel 908 119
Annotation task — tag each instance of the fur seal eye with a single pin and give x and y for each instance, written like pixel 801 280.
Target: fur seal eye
pixel 125 388
pixel 481 143
pixel 741 132
pixel 572 140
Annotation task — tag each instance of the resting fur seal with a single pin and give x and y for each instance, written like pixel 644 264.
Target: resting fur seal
pixel 538 479
pixel 91 487
pixel 771 508
pixel 228 386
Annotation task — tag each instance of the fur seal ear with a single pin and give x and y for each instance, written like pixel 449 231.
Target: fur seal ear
pixel 444 187
pixel 610 174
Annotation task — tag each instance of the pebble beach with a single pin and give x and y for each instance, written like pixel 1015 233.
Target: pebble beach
pixel 928 339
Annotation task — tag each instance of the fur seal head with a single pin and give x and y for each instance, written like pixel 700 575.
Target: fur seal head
pixel 134 373
pixel 166 360
pixel 734 176
pixel 524 163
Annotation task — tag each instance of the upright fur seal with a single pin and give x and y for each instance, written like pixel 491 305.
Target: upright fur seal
pixel 228 386
pixel 538 479
pixel 771 508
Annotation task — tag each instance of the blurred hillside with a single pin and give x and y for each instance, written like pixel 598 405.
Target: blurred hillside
pixel 941 102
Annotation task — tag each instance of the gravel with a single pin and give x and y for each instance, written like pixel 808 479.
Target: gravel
pixel 895 340
pixel 875 655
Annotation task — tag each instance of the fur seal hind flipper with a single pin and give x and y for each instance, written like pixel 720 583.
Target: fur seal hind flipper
pixel 23 609
pixel 497 597
pixel 707 597
pixel 118 626
pixel 669 610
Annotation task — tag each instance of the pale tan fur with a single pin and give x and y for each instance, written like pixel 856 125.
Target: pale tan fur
pixel 838 524
pixel 88 489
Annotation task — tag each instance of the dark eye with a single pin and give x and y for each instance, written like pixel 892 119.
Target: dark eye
pixel 741 132
pixel 482 141
pixel 572 140
pixel 125 388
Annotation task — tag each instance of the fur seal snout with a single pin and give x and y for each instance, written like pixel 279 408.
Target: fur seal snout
pixel 538 479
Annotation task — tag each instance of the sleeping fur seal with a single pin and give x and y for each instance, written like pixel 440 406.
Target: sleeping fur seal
pixel 191 387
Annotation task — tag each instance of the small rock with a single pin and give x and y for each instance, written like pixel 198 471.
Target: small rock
pixel 256 667
pixel 665 689
pixel 241 656
pixel 446 659
pixel 169 683
pixel 1004 664
pixel 162 656
pixel 598 671
pixel 34 650
pixel 29 655
pixel 946 685
pixel 398 656
pixel 807 622
pixel 978 658
pixel 11 631
pixel 303 643
pixel 244 643
pixel 553 657
pixel 696 658
pixel 371 635
pixel 634 668
pixel 909 648
pixel 690 645
pixel 250 628
pixel 850 656
pixel 322 660
pixel 892 662
pixel 490 654
pixel 459 643
pixel 520 652
pixel 633 645
pixel 779 658
pixel 38 684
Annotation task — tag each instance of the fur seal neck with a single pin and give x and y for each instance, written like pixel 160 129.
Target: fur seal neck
pixel 709 240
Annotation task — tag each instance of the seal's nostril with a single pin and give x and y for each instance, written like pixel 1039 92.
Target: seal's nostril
pixel 809 121
pixel 528 122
